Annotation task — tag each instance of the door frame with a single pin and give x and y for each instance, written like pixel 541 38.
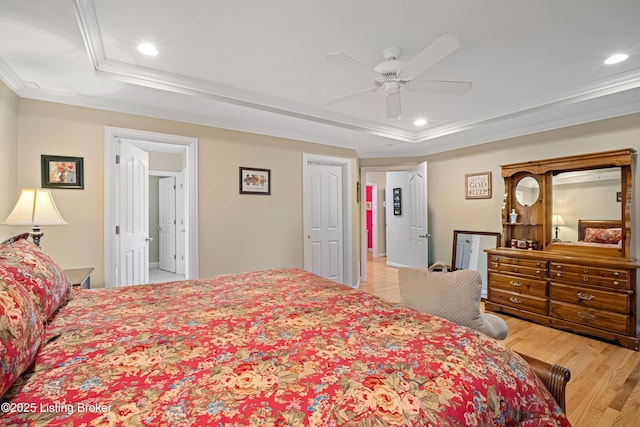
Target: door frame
pixel 347 210
pixel 190 144
pixel 363 209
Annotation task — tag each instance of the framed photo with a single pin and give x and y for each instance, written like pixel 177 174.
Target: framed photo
pixel 478 185
pixel 397 201
pixel 255 181
pixel 62 172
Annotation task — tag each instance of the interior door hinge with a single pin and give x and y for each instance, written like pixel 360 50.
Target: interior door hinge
pixel 174 257
pixel 117 159
pixel 117 229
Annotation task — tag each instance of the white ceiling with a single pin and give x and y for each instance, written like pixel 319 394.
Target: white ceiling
pixel 260 66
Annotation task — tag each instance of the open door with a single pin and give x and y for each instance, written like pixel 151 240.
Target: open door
pixel 133 215
pixel 418 220
pixel 167 223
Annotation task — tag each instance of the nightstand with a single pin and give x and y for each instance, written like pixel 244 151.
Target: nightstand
pixel 79 277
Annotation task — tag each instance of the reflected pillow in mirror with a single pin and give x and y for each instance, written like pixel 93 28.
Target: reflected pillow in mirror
pixel 603 235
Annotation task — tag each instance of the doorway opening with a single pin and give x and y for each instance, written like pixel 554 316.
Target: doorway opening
pixel 167 149
pixel 398 211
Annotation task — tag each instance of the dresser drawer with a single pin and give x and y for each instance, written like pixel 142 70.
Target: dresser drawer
pixel 607 320
pixel 589 297
pixel 503 260
pixel 518 284
pixel 609 277
pixel 519 301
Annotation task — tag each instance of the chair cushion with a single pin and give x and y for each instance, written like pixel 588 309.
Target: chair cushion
pixel 454 296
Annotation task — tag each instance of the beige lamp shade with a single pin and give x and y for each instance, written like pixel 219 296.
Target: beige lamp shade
pixel 35 207
pixel 557 220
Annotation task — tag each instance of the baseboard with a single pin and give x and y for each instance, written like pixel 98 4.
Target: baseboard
pixel 393 264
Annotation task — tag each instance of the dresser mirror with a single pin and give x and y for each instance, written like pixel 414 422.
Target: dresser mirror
pixel 527 191
pixel 576 204
pixel 586 195
pixel 468 252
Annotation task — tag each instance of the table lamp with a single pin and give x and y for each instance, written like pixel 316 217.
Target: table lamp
pixel 36 208
pixel 557 220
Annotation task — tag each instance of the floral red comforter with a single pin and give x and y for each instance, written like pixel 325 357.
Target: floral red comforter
pixel 273 348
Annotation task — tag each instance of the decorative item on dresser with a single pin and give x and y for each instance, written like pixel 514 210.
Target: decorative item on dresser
pixel 586 282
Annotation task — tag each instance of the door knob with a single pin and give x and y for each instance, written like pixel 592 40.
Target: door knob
pixel 149 239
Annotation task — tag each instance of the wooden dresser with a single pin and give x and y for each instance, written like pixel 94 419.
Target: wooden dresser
pixel 593 296
pixel 569 283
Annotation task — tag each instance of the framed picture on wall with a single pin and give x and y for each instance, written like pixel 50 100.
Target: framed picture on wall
pixel 478 185
pixel 62 172
pixel 255 181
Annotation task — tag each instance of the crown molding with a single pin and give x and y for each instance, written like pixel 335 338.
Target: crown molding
pixel 11 78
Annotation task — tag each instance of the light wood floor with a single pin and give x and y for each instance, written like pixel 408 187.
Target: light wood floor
pixel 605 379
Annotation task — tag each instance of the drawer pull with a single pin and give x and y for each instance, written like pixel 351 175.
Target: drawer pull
pixel 515 300
pixel 585 297
pixel 616 273
pixel 515 284
pixel 586 270
pixel 559 274
pixel 586 316
pixel 538 271
pixel 616 283
pixel 559 267
pixel 585 279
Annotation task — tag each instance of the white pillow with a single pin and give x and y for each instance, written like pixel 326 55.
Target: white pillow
pixel 454 296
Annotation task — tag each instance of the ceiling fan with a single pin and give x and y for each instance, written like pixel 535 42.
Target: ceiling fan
pixel 393 74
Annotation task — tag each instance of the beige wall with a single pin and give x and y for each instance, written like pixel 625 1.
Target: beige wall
pixel 449 210
pixel 8 155
pixel 237 232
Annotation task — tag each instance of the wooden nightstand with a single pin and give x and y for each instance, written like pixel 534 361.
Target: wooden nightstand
pixel 79 277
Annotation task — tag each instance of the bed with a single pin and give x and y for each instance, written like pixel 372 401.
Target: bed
pixel 280 347
pixel 601 233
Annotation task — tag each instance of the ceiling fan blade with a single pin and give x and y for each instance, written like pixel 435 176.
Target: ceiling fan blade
pixel 440 87
pixel 349 96
pixel 439 49
pixel 352 64
pixel 393 105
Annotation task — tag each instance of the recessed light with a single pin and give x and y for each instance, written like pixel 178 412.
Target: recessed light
pixel 420 122
pixel 148 49
pixel 614 59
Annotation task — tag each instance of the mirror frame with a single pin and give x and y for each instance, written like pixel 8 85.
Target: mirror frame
pixel 482 233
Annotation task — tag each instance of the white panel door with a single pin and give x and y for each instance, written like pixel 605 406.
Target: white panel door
pixel 133 250
pixel 324 244
pixel 418 224
pixel 167 223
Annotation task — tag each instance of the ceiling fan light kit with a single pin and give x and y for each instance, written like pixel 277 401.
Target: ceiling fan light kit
pixel 393 74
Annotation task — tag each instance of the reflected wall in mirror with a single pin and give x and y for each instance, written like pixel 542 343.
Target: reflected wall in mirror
pixel 585 195
pixel 527 191
pixel 468 252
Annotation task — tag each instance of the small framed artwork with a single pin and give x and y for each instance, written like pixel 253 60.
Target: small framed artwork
pixel 478 185
pixel 397 201
pixel 62 172
pixel 255 181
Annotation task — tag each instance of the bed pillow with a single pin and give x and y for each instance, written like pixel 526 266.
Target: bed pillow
pixel 13 239
pixel 603 235
pixel 40 275
pixel 21 331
